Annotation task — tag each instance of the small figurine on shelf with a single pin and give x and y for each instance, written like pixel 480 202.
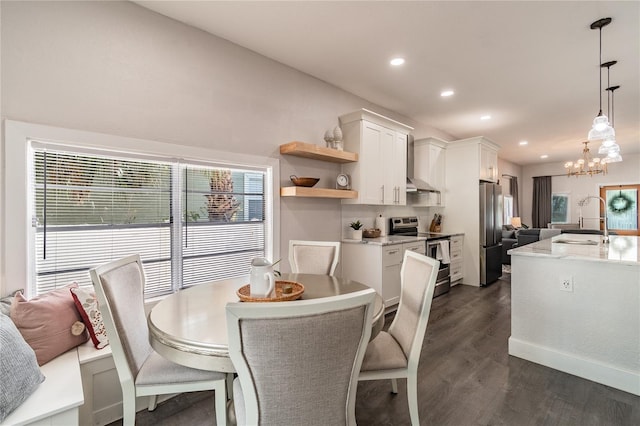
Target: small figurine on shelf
pixel 328 137
pixel 337 139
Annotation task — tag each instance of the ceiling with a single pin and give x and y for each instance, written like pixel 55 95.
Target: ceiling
pixel 531 65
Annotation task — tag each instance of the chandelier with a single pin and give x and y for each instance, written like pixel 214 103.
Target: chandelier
pixel 587 165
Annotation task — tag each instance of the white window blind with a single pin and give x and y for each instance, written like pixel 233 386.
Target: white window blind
pixel 90 209
pixel 222 223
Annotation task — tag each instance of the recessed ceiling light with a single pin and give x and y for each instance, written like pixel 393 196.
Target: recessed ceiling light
pixel 544 156
pixel 485 117
pixel 446 93
pixel 397 61
pixel 524 143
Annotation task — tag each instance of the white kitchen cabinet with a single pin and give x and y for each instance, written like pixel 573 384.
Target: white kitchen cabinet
pixel 430 166
pixel 469 161
pixel 457 259
pixel 488 163
pixel 378 267
pixel 380 174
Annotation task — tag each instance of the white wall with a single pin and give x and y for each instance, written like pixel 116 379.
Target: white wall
pixel 117 68
pixel 626 172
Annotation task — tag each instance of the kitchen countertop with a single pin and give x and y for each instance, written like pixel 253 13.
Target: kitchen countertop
pixel 400 239
pixel 621 249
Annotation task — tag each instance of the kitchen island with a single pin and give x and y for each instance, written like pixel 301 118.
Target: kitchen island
pixel 575 307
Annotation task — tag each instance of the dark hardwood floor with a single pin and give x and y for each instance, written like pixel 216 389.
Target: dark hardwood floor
pixel 466 378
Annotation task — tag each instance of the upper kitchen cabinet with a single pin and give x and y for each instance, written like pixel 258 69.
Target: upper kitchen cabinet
pixel 429 166
pixel 488 162
pixel 380 175
pixel 475 158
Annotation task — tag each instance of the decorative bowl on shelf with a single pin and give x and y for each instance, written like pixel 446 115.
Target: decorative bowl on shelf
pixel 371 233
pixel 303 181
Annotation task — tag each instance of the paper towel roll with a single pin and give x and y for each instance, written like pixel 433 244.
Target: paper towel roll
pixel 382 224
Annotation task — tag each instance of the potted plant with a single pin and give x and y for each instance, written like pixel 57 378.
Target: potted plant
pixel 356 230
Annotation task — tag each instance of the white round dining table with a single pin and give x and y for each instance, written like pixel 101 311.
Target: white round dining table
pixel 189 327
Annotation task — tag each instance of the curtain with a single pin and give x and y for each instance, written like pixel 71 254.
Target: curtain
pixel 514 194
pixel 541 206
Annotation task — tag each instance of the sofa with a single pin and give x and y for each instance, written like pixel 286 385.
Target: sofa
pixel 509 239
pixel 512 238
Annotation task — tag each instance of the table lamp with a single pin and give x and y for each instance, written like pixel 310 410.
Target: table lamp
pixel 516 222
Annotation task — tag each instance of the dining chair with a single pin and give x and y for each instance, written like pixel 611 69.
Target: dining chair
pixel 119 287
pixel 396 353
pixel 298 362
pixel 314 257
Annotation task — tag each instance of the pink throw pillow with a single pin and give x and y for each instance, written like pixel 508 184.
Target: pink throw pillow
pixel 87 306
pixel 46 323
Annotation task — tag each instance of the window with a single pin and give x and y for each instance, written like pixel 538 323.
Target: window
pixel 507 209
pixel 622 208
pixel 560 211
pixel 90 209
pixel 109 195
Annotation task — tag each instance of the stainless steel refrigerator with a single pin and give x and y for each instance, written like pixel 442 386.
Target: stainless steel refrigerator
pixel 490 232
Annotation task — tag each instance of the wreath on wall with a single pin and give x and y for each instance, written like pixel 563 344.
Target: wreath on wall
pixel 621 203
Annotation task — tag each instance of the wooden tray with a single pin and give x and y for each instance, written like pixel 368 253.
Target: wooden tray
pixel 244 293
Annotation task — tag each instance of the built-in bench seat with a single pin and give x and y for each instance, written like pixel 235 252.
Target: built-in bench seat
pixel 102 391
pixel 57 400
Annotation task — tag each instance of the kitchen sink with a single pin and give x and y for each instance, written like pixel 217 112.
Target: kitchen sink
pixel 578 242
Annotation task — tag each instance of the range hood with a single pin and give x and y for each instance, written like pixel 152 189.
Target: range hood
pixel 414 184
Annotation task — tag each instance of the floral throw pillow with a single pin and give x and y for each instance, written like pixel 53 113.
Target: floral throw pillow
pixel 87 306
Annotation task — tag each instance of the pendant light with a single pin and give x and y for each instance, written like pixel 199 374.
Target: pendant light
pixel 609 145
pixel 601 128
pixel 610 140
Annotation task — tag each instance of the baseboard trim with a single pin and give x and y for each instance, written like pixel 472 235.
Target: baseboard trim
pixel 595 371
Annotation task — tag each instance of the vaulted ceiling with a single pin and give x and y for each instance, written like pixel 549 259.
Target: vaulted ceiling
pixel 531 65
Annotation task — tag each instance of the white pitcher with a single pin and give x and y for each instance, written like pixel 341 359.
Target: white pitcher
pixel 262 282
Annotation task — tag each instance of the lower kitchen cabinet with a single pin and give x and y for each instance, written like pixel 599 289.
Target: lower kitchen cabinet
pixel 378 267
pixel 457 260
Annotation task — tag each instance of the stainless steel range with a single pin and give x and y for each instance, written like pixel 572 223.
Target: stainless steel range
pixel 408 226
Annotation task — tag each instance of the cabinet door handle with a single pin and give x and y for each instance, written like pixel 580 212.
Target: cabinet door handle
pixel 392 252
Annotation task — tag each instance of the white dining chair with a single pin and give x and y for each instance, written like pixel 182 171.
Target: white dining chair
pixel 314 257
pixel 119 287
pixel 396 353
pixel 298 362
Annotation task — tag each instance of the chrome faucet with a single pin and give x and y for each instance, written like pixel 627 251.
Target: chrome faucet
pixel 584 201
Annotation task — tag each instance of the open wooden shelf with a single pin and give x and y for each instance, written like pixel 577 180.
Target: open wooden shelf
pixel 303 191
pixel 309 150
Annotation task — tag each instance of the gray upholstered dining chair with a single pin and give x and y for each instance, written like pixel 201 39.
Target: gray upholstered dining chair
pixel 314 257
pixel 298 362
pixel 119 287
pixel 395 354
